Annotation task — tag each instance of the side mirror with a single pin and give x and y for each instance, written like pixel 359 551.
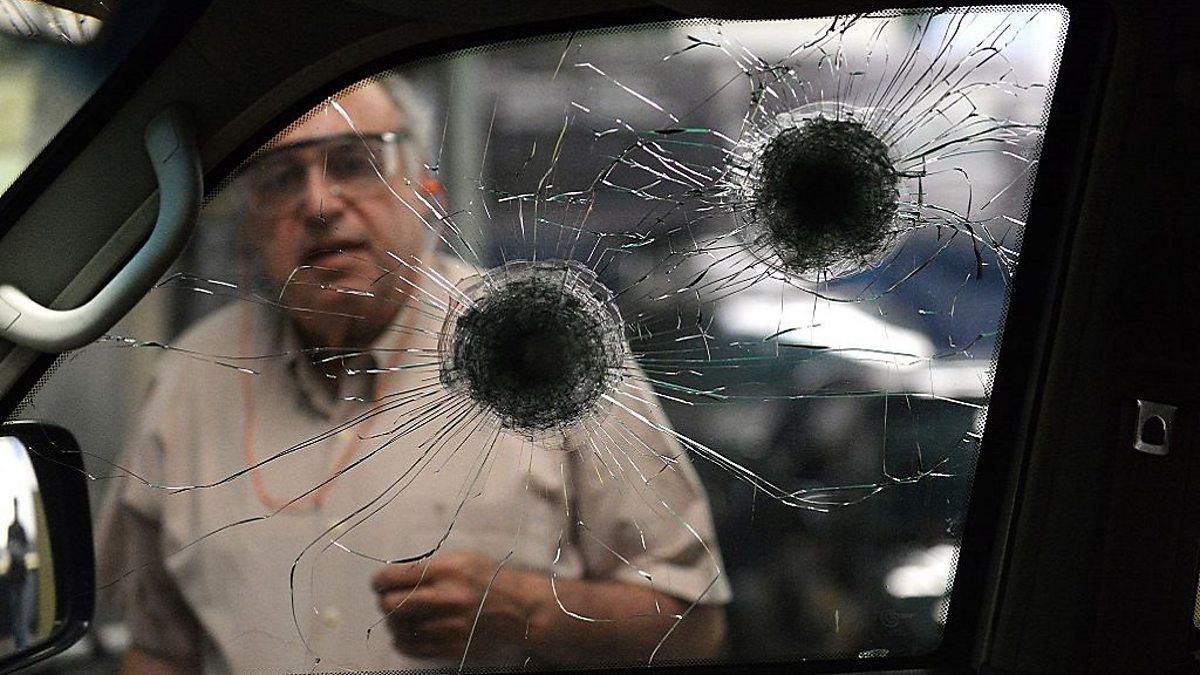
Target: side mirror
pixel 47 569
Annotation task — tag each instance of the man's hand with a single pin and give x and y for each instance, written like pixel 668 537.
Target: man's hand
pixel 431 607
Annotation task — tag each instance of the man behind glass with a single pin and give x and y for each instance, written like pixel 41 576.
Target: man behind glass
pixel 524 552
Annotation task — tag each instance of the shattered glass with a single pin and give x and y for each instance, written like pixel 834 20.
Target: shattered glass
pixel 713 314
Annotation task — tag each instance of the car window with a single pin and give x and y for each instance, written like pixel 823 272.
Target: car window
pixel 702 314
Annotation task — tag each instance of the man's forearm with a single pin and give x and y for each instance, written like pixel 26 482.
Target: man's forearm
pixel 463 603
pixel 621 621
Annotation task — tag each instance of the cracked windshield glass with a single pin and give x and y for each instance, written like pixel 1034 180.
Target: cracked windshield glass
pixel 641 346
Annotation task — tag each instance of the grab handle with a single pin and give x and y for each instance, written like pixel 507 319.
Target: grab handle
pixel 171 144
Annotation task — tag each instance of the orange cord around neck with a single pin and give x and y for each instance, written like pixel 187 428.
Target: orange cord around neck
pixel 316 497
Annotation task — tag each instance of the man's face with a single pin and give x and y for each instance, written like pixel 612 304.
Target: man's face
pixel 333 209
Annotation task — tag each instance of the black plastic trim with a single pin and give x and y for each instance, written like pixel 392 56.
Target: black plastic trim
pixel 1022 365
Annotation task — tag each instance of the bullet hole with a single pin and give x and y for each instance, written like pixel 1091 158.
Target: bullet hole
pixel 538 346
pixel 825 197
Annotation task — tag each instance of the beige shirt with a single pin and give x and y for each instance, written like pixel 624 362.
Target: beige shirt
pixel 224 570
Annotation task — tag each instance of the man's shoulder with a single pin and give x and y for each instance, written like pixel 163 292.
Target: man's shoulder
pixel 228 331
pixel 196 370
pixel 223 338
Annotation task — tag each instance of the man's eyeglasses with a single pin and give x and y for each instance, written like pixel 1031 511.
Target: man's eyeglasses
pixel 351 165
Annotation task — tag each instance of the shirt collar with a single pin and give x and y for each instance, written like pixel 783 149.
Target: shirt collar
pixel 420 328
pixel 356 383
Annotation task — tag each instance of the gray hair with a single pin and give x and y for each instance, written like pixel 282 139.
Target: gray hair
pixel 418 113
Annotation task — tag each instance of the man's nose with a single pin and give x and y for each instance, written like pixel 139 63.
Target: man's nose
pixel 320 196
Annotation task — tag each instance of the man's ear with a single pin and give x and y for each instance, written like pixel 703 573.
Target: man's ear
pixel 434 188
